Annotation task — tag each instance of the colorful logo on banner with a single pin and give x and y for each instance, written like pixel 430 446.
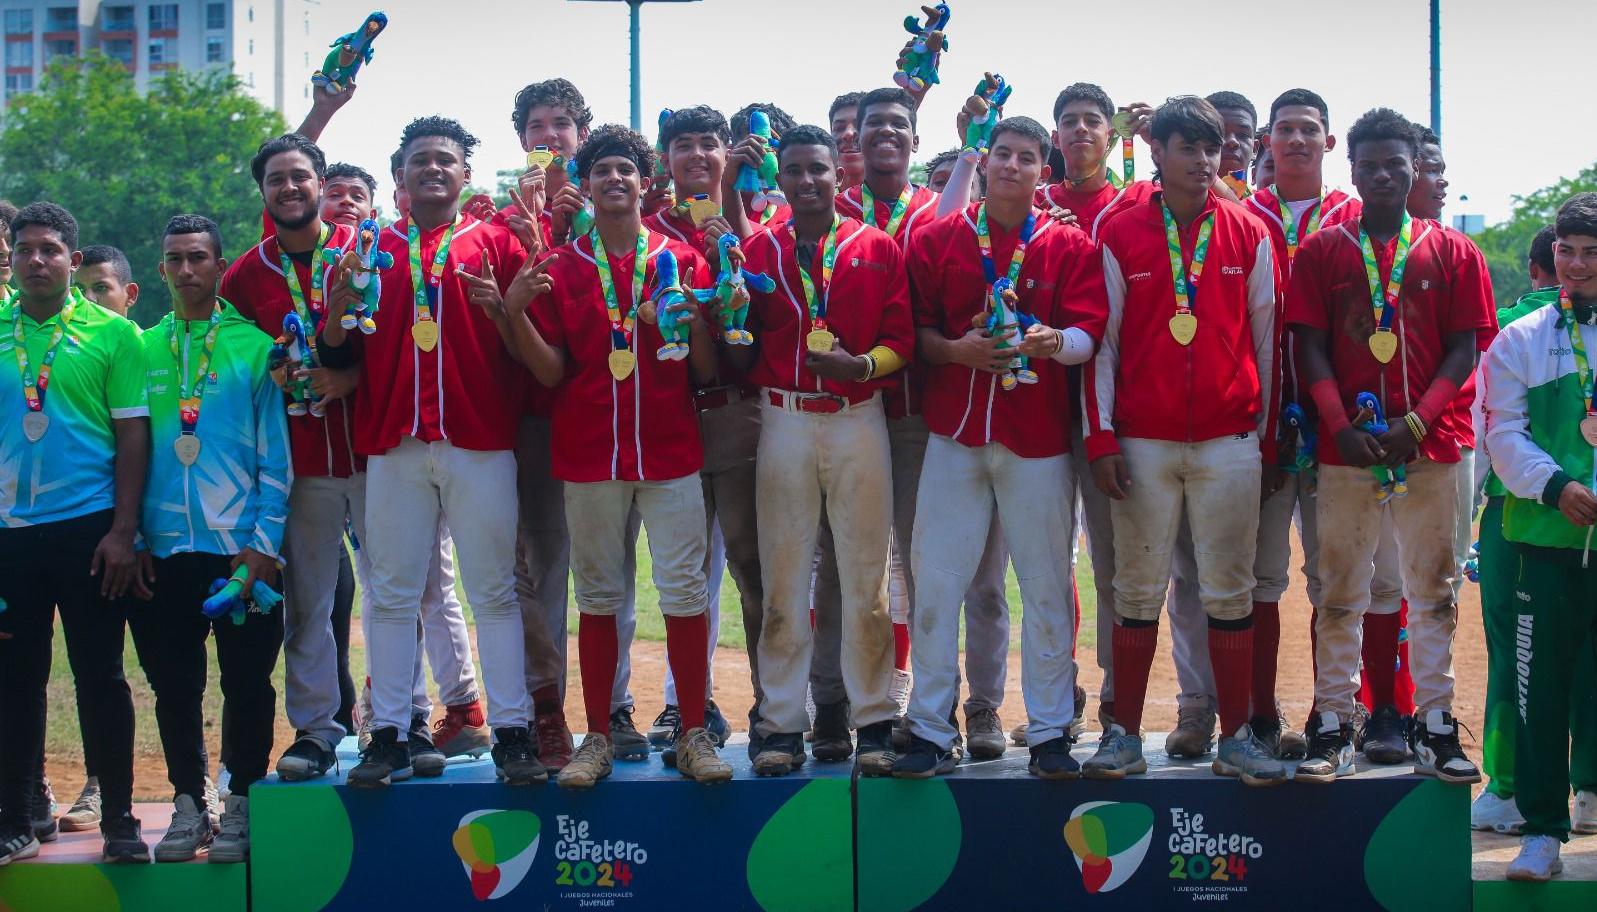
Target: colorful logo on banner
pixel 1109 840
pixel 496 848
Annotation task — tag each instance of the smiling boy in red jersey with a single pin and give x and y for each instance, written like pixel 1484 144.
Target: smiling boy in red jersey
pixel 1190 281
pixel 840 288
pixel 624 438
pixel 435 416
pixel 1397 309
pixel 1009 446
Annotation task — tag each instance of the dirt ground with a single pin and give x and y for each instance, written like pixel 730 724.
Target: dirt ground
pixel 735 695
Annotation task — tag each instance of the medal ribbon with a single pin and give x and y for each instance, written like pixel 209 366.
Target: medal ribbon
pixel 189 398
pixel 33 389
pixel 1186 282
pixel 817 303
pixel 1385 303
pixel 621 327
pixel 900 206
pixel 1582 365
pixel 1290 224
pixel 985 242
pixel 768 214
pixel 310 316
pixel 428 287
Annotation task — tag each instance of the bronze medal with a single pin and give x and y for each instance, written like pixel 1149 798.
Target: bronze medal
pixel 820 340
pixel 622 363
pixel 425 332
pixel 1184 326
pixel 1383 345
pixel 1588 429
pixel 187 447
pixel 34 424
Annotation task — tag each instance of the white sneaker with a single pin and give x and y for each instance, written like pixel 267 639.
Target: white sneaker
pixel 1584 820
pixel 1538 859
pixel 1491 814
pixel 899 690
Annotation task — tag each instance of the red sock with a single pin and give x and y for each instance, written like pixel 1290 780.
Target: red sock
pixel 1231 655
pixel 597 651
pixel 1403 684
pixel 548 701
pixel 687 641
pixel 1266 644
pixel 1380 656
pixel 1133 649
pixel 900 646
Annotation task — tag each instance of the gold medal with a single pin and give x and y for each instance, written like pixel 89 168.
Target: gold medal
pixel 540 156
pixel 701 210
pixel 1588 429
pixel 187 447
pixel 622 363
pixel 1121 125
pixel 1383 345
pixel 34 424
pixel 1184 326
pixel 820 340
pixel 425 332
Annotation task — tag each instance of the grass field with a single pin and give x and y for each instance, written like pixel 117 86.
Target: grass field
pixel 64 745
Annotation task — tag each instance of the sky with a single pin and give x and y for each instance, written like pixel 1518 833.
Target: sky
pixel 467 59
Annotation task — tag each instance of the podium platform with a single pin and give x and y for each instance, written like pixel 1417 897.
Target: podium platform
pixel 68 877
pixel 821 840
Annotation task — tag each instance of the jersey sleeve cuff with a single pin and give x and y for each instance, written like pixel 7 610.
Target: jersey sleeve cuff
pixel 1555 486
pixel 137 411
pixel 1101 444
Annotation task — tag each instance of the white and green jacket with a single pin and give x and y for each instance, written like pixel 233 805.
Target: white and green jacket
pixel 1534 406
pixel 235 495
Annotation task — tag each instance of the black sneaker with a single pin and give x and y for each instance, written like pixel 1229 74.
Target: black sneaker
pixel 831 741
pixel 1051 760
pixel 1437 751
pixel 385 760
pixel 629 743
pixel 1383 738
pixel 923 760
pixel 1330 751
pixel 876 754
pixel 42 811
pixel 425 758
pixel 17 843
pixel 780 754
pixel 306 758
pixel 664 725
pixel 715 723
pixel 515 760
pixel 124 841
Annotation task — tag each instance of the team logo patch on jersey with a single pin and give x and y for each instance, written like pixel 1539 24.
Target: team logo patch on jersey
pixel 496 848
pixel 1109 840
pixel 1230 270
pixel 1425 284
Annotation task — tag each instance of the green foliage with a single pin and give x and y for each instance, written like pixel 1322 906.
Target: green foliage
pixel 1506 244
pixel 123 163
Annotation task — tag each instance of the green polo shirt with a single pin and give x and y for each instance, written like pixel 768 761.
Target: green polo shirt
pixel 98 376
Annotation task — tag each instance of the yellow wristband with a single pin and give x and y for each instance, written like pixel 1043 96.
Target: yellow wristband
pixel 886 360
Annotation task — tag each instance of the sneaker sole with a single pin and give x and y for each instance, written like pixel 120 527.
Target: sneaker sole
pixel 429 767
pixel 50 835
pixel 390 779
pixel 132 857
pixel 1387 757
pixel 1053 777
pixel 579 784
pixel 1444 776
pixel 474 746
pixel 1236 772
pixel 521 780
pixel 711 778
pixel 1528 877
pixel 1584 829
pixel 292 774
pixel 633 752
pixel 1135 769
pixel 1188 754
pixel 179 859
pixel 68 825
pixel 1319 778
pixel 22 854
pixel 984 752
pixel 771 770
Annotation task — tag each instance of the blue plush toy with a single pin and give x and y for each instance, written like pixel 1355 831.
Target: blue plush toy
pixel 732 288
pixel 1393 481
pixel 1003 321
pixel 985 107
pixel 917 67
pixel 668 294
pixel 349 53
pixel 761 181
pixel 364 259
pixel 227 597
pixel 292 349
pixel 582 221
pixel 1294 417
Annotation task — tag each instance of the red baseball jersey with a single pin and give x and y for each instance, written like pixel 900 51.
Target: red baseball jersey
pixel 1060 285
pixel 778 215
pixel 904 395
pixel 254 283
pixel 1093 208
pixel 468 389
pixel 1143 382
pixel 1446 289
pixel 642 428
pixel 867 304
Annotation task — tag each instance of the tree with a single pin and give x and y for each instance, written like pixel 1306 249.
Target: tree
pixel 124 163
pixel 1506 244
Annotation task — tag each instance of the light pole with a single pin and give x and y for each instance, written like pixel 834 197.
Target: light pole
pixel 1436 66
pixel 637 64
